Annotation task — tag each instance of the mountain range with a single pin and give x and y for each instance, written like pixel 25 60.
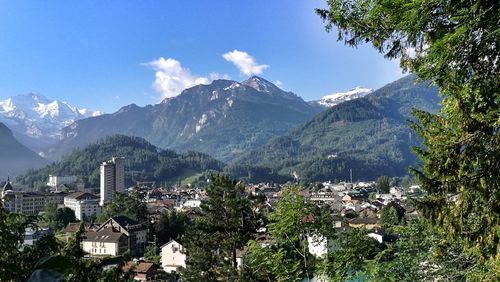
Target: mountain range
pixel 37 121
pixel 224 119
pixel 368 136
pixel 15 158
pixel 262 132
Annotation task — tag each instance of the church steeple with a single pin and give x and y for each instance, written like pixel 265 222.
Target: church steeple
pixel 7 186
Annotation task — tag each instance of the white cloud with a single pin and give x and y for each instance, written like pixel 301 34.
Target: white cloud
pixel 172 78
pixel 244 62
pixel 279 83
pixel 214 76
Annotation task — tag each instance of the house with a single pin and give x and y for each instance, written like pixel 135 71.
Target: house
pixel 135 232
pixel 105 243
pixel 189 204
pixel 366 222
pixel 368 211
pixel 338 221
pixel 144 271
pixel 173 256
pixel 84 204
pixel 116 236
pixel 377 234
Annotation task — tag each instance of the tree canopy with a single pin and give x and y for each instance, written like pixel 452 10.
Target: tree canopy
pixel 453 45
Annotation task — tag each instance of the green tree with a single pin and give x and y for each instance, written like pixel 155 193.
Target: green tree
pixel 353 248
pixel 383 184
pixel 389 217
pixel 453 45
pixel 226 225
pixel 406 182
pixel 272 264
pixel 392 214
pixel 132 206
pixel 57 219
pixel 289 225
pixel 171 225
pixel 151 254
pixel 18 261
pixel 64 216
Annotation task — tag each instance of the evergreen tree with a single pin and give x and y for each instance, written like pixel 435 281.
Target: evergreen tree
pixel 383 184
pixel 170 225
pixel 287 258
pixel 132 206
pixel 226 225
pixel 453 45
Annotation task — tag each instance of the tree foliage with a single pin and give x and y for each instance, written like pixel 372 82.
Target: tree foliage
pixel 143 162
pixel 454 45
pixel 383 184
pixel 171 225
pixel 226 225
pixel 131 206
pixel 368 135
pixel 57 218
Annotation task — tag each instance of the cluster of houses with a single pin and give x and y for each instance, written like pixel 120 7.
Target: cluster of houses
pixel 352 205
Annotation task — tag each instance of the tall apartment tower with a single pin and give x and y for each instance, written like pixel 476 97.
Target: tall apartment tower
pixel 112 179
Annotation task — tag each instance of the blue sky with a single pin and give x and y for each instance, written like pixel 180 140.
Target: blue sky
pixel 106 54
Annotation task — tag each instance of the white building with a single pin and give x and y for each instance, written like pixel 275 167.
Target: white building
pixel 173 256
pixel 191 204
pixel 56 181
pixel 112 179
pixel 29 203
pixel 83 204
pixel 105 243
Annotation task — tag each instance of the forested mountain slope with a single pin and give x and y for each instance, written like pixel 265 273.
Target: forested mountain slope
pixel 143 162
pixel 368 135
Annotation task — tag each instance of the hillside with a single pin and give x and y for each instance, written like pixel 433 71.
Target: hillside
pixel 368 135
pixel 143 162
pixel 224 119
pixel 15 158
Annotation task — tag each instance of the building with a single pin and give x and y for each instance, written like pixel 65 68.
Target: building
pixel 29 203
pixel 56 181
pixel 112 179
pixel 143 271
pixel 105 243
pixel 173 256
pixel 84 205
pixel 115 236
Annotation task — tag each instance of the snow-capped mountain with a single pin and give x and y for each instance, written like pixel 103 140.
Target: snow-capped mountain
pixel 37 117
pixel 340 97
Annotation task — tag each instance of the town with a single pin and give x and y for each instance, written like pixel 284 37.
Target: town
pixel 350 205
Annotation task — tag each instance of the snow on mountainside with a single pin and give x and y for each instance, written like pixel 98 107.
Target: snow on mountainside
pixel 38 117
pixel 340 97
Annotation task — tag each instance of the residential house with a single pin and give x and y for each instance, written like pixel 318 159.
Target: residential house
pixel 135 232
pixel 173 256
pixel 367 222
pixel 143 271
pixel 105 243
